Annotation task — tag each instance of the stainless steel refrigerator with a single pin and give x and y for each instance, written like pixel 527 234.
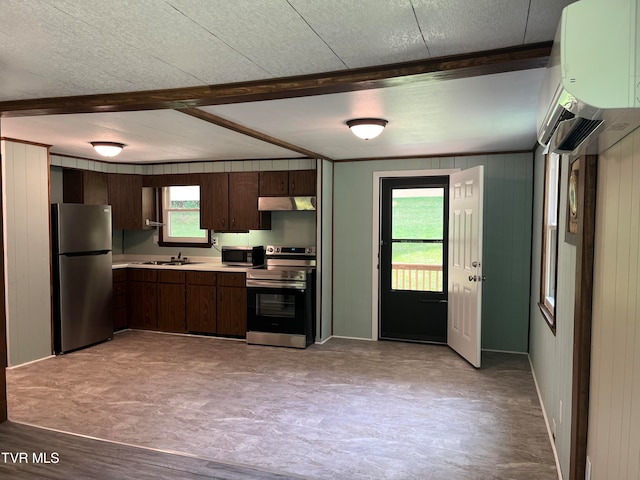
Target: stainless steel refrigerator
pixel 82 277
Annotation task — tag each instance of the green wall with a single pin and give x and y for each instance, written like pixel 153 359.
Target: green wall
pixel 287 228
pixel 507 244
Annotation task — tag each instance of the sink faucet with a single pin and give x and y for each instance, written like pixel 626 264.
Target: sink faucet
pixel 179 255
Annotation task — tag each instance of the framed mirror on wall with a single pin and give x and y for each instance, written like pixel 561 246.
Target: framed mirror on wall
pixel 572 203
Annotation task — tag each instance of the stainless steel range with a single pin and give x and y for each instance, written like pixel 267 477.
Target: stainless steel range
pixel 281 298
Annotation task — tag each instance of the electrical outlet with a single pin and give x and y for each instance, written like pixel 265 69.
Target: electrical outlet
pixel 155 239
pixel 214 241
pixel 553 428
pixel 587 470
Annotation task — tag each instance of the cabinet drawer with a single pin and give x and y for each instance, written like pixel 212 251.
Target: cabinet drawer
pixel 165 276
pixel 142 275
pixel 231 279
pixel 120 275
pixel 202 278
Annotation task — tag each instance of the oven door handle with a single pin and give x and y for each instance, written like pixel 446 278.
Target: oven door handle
pixel 276 284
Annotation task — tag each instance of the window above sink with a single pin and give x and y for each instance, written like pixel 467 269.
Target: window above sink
pixel 181 217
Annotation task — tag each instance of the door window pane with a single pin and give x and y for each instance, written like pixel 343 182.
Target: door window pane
pixel 417 267
pixel 417 213
pixel 417 231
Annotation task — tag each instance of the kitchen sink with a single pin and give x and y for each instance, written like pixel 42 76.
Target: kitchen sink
pixel 169 262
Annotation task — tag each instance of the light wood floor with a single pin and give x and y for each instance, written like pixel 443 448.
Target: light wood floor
pixel 343 410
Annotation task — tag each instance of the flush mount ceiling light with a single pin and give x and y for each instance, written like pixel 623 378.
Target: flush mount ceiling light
pixel 108 149
pixel 367 128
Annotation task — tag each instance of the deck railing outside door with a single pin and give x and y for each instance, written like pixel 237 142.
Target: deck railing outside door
pixel 416 276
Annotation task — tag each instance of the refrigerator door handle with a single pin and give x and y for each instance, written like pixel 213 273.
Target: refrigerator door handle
pixel 85 254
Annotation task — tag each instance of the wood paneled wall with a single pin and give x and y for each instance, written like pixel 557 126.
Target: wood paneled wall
pixel 551 354
pixel 325 254
pixel 614 414
pixel 3 318
pixel 26 185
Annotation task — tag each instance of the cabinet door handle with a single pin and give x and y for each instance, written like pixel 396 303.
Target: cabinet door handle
pixel 293 186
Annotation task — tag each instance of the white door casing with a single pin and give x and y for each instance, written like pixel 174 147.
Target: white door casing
pixel 465 257
pixel 375 233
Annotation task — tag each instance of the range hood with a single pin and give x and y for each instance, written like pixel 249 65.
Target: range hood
pixel 286 203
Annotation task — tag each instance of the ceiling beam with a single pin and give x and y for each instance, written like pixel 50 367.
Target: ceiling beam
pixel 236 127
pixel 436 69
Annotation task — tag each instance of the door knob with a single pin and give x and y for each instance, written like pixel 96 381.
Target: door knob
pixel 473 278
pixel 475 264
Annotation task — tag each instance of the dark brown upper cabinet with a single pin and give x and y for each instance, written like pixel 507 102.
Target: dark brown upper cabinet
pixel 214 201
pixel 85 186
pixel 288 183
pixel 229 202
pixel 131 204
pixel 274 184
pixel 243 202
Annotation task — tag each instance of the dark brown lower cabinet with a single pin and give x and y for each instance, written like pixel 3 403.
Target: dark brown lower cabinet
pixel 232 305
pixel 120 314
pixel 171 301
pixel 143 299
pixel 201 302
pixel 179 301
pixel 142 305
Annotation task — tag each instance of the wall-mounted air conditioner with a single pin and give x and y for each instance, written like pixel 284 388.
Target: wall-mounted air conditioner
pixel 590 96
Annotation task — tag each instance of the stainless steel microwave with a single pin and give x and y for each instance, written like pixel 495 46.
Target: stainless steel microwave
pixel 243 256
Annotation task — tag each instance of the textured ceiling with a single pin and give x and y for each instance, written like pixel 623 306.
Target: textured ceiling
pixel 446 117
pixel 54 48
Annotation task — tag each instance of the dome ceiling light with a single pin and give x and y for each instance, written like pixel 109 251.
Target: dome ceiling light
pixel 367 128
pixel 108 149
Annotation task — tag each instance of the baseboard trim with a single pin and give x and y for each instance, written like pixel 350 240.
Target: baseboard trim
pixel 546 421
pixel 31 362
pixel 185 334
pixel 503 351
pixel 353 338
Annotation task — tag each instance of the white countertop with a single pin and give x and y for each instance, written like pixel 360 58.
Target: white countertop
pixel 203 264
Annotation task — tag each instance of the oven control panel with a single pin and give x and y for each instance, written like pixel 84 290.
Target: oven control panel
pixel 280 250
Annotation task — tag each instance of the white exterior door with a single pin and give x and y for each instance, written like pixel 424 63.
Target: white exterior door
pixel 465 269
